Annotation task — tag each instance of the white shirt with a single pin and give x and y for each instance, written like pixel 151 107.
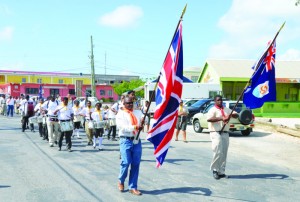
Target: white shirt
pixel 64 112
pixel 51 107
pixel 37 108
pixel 124 124
pixel 76 110
pixel 10 101
pixel 86 112
pixel 24 105
pixel 95 116
pixel 215 112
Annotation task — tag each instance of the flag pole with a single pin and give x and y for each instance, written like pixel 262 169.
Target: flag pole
pixel 157 80
pixel 249 81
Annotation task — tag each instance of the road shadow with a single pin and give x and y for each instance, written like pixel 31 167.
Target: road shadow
pixel 4 186
pixel 260 176
pixel 172 161
pixel 185 190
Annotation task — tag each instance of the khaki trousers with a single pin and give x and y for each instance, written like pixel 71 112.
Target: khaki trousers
pixel 88 131
pixel 220 144
pixel 53 131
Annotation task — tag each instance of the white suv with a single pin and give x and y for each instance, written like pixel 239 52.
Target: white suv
pixel 244 123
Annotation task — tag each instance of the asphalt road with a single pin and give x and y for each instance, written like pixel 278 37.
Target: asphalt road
pixel 261 167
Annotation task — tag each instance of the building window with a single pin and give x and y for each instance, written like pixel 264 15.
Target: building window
pixel 54 92
pixel 102 92
pixel 109 92
pixel 39 81
pixel 31 91
pixel 60 81
pixel 23 80
pixel 72 91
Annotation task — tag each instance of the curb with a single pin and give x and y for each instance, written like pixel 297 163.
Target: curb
pixel 280 128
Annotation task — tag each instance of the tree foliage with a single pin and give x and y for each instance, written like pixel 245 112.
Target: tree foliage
pixel 121 88
pixel 297 2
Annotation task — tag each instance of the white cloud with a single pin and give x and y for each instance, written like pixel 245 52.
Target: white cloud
pixel 6 33
pixel 291 54
pixel 250 24
pixel 123 16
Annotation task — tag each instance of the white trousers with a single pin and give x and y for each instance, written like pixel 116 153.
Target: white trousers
pixel 53 131
pixel 220 144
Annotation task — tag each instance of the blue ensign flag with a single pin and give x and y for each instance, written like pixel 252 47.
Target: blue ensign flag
pixel 263 85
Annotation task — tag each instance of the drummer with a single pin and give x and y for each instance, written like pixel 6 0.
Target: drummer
pixel 52 121
pixel 38 112
pixel 112 112
pixel 65 114
pixel 98 116
pixel 77 118
pixel 86 112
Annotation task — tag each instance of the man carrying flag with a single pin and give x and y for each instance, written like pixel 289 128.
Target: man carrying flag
pixel 129 121
pixel 263 86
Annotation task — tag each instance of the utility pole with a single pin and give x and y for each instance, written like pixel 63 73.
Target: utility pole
pixel 93 86
pixel 105 64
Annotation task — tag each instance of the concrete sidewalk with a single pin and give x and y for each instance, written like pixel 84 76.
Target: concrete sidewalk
pixel 289 126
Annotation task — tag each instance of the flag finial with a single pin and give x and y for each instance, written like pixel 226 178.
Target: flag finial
pixel 183 11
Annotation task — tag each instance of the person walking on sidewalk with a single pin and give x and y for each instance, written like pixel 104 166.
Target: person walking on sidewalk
pixel 10 106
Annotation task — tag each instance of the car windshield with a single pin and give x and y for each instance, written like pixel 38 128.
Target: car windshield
pixel 199 103
pixel 239 107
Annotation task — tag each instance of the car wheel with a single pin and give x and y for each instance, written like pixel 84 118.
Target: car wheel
pixel 197 127
pixel 246 132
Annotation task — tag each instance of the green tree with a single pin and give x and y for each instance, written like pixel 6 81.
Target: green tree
pixel 297 2
pixel 121 88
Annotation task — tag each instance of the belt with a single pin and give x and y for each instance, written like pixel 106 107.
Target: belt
pixel 128 138
pixel 65 120
pixel 52 116
pixel 53 119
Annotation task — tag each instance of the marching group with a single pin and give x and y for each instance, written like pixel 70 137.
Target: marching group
pixel 58 119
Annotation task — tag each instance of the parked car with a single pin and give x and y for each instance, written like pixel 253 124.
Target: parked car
pixel 189 102
pixel 244 123
pixel 197 107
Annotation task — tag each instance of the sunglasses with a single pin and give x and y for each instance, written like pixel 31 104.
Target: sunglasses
pixel 129 103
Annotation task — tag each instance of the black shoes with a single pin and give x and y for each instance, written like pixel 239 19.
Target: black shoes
pixel 218 176
pixel 59 148
pixel 223 176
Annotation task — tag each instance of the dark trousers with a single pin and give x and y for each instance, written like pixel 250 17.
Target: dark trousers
pixel 98 132
pixel 24 122
pixel 112 128
pixel 10 109
pixel 40 129
pixel 68 135
pixel 45 132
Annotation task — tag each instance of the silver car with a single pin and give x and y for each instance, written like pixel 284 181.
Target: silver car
pixel 244 123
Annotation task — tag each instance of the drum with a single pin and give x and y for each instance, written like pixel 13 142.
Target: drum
pixel 32 120
pixel 40 119
pixel 90 124
pixel 77 118
pixel 66 126
pixel 99 124
pixel 112 122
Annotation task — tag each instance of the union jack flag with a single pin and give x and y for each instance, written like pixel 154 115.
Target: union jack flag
pixel 167 97
pixel 270 58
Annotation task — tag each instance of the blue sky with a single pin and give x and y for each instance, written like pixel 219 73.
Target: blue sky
pixel 133 36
